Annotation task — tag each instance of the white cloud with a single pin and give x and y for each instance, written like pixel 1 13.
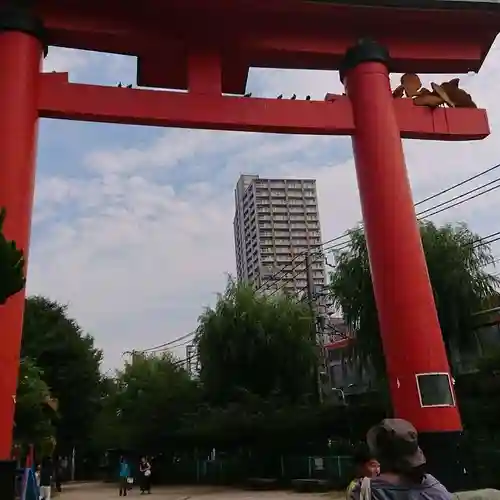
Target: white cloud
pixel 60 59
pixel 148 238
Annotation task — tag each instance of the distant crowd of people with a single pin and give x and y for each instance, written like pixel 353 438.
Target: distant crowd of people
pixel 127 478
pixel 389 466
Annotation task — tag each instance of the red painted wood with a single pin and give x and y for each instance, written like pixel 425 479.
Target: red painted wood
pixel 409 325
pixel 20 57
pixel 279 33
pixel 169 37
pixel 60 99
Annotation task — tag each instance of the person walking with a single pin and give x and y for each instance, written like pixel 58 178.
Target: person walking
pixel 37 480
pixel 58 472
pixel 46 475
pixel 145 476
pixel 124 477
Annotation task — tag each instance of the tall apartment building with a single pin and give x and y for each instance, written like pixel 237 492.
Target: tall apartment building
pixel 276 223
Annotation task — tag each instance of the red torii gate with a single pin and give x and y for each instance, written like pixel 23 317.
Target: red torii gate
pixel 206 48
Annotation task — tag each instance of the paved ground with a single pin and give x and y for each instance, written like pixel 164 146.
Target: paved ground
pixel 90 491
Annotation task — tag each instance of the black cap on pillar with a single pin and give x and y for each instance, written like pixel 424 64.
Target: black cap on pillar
pixel 365 50
pixel 19 17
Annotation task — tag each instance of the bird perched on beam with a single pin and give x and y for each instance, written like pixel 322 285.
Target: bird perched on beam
pixel 332 97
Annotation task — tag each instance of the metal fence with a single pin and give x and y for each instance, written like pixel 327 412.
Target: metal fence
pixel 337 469
pixel 481 464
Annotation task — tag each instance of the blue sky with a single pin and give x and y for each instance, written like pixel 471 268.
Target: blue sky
pixel 133 226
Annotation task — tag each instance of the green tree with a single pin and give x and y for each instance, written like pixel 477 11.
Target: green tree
pixel 69 363
pixel 107 430
pixel 12 279
pixel 34 412
pixel 250 343
pixel 460 283
pixel 489 366
pixel 150 398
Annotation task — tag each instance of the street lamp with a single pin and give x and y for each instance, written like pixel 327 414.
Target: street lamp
pixel 343 398
pixel 342 393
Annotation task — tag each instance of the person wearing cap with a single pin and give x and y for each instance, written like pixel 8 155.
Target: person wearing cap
pixel 403 474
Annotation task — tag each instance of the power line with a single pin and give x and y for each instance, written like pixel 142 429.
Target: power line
pixel 459 196
pixel 494 261
pixel 485 240
pixel 345 244
pixel 269 282
pixel 272 280
pixel 162 346
pixel 301 254
pixel 458 184
pixel 482 242
pixel 169 348
pixel 456 204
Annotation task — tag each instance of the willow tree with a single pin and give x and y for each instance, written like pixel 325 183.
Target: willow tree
pixel 456 259
pixel 250 344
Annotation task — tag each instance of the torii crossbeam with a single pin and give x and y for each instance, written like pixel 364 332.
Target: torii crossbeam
pixel 95 103
pixel 205 49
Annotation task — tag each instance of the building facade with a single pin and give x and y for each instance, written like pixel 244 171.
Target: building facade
pixel 353 380
pixel 276 223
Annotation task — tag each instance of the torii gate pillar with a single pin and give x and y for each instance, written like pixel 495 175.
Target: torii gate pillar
pixel 21 52
pixel 417 365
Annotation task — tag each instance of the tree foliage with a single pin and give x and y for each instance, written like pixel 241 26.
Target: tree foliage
pixel 34 414
pixel 12 279
pixel 265 425
pixel 107 432
pixel 69 365
pixel 456 262
pixel 255 344
pixel 489 367
pixel 150 398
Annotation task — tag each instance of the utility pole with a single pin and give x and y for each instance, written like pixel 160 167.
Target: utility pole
pixel 314 332
pixel 190 359
pixel 327 383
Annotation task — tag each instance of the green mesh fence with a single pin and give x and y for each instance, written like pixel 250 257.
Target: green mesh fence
pixel 237 469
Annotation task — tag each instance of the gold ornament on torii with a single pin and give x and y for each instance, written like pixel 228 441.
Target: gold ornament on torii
pixel 442 94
